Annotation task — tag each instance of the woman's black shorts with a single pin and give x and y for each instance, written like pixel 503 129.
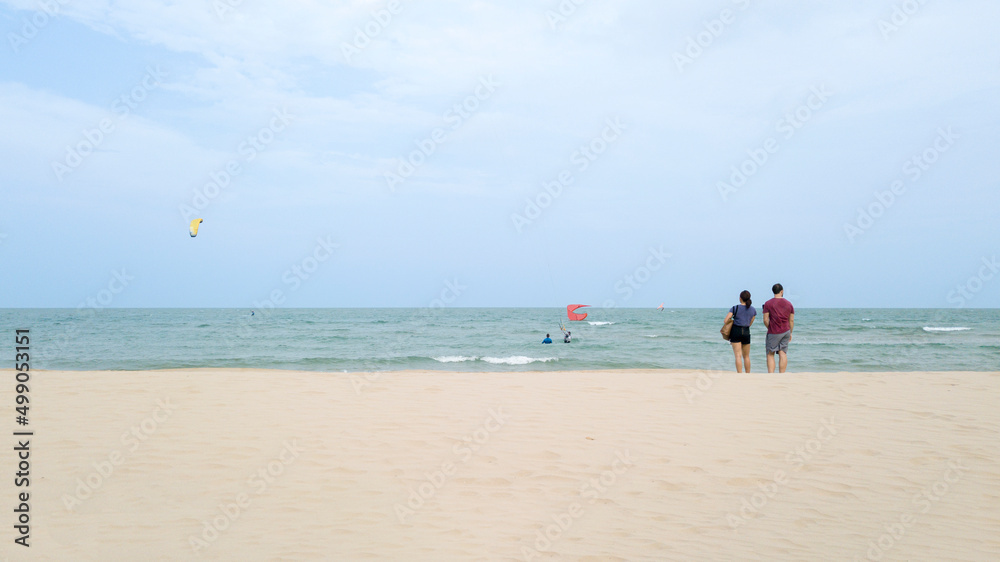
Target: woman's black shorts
pixel 740 334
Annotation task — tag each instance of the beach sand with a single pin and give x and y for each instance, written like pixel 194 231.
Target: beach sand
pixel 243 464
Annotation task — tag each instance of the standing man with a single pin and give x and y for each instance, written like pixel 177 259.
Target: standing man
pixel 779 317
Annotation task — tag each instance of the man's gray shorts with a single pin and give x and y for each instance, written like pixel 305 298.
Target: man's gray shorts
pixel 778 342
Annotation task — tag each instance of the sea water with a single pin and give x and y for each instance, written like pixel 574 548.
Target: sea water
pixel 494 339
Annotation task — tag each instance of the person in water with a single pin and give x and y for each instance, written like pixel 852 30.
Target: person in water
pixel 742 316
pixel 567 337
pixel 547 339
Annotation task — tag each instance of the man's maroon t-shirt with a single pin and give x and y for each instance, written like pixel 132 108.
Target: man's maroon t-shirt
pixel 778 310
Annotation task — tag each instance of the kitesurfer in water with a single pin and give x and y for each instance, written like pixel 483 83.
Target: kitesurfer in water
pixel 548 339
pixel 567 337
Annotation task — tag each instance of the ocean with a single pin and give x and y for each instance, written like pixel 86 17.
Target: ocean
pixel 494 339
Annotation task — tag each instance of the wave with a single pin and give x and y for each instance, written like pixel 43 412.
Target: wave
pixel 454 359
pixel 653 336
pixel 512 360
pixel 517 360
pixel 933 329
pixel 601 323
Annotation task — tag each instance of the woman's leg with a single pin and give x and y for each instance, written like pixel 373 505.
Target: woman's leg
pixel 738 352
pixel 746 357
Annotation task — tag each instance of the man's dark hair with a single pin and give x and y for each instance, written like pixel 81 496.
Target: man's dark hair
pixel 777 288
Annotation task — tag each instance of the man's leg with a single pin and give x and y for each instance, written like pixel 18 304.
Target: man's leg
pixel 770 361
pixel 782 361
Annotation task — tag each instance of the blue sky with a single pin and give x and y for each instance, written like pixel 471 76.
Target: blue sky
pixel 644 108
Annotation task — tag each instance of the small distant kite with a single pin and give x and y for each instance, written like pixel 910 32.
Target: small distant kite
pixel 193 229
pixel 573 315
pixel 660 308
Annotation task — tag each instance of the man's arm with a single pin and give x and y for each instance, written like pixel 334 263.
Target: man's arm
pixel 767 319
pixel 791 325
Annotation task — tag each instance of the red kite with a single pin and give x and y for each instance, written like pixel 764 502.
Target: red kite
pixel 574 316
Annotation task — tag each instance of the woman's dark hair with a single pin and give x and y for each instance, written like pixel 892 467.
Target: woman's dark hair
pixel 745 297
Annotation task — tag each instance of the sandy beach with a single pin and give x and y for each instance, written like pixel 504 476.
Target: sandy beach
pixel 242 464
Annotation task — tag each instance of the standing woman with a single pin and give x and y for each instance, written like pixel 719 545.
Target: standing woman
pixel 743 316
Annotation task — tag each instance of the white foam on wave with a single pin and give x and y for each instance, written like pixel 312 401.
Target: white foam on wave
pixel 933 329
pixel 517 360
pixel 652 336
pixel 454 359
pixel 601 323
pixel 513 360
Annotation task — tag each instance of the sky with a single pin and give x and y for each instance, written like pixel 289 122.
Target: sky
pixel 477 154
